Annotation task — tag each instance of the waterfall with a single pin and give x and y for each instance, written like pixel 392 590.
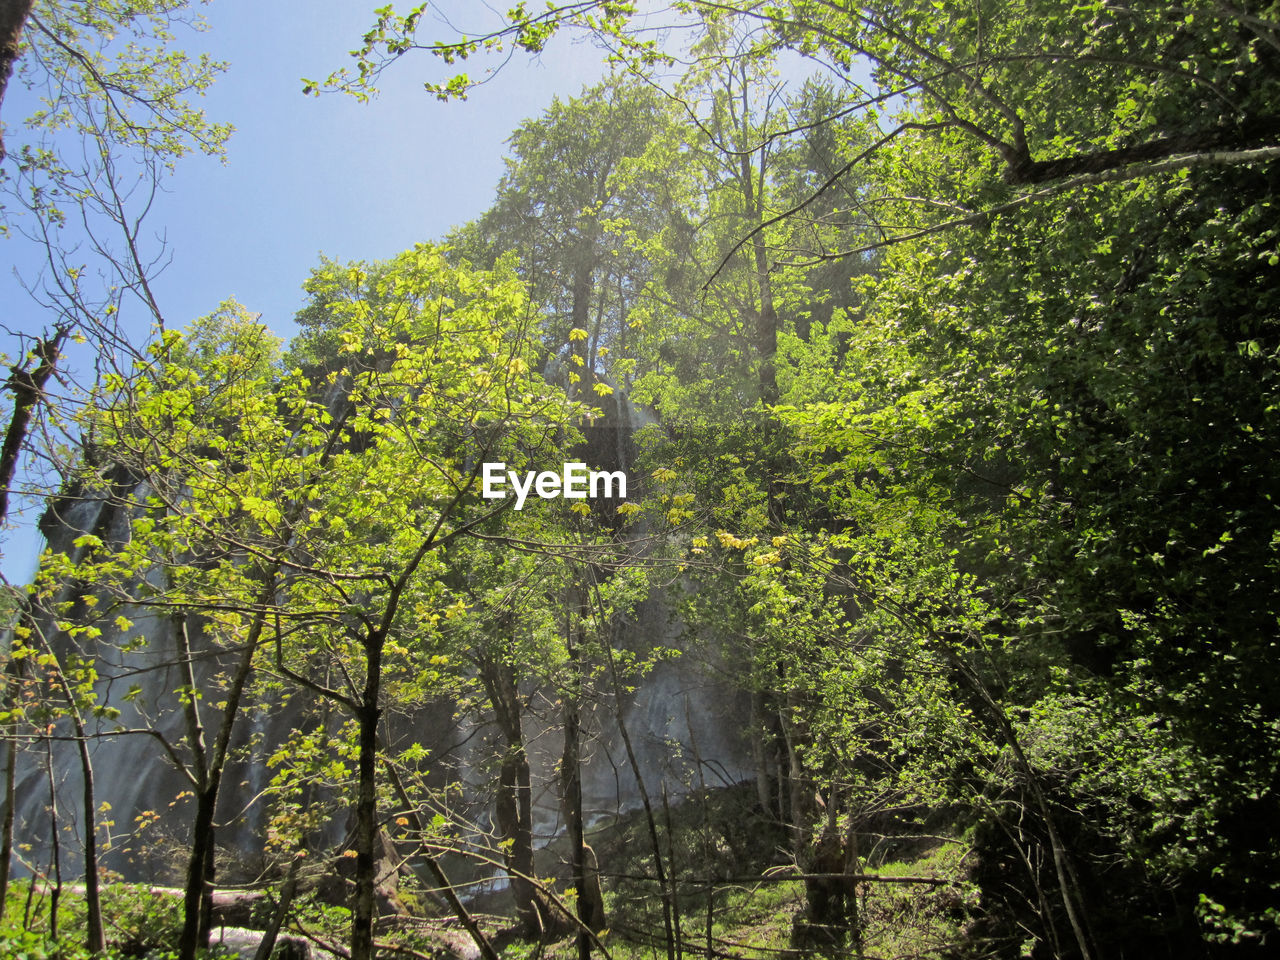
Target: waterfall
pixel 678 716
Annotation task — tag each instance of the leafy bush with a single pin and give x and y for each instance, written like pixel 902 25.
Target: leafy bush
pixel 138 923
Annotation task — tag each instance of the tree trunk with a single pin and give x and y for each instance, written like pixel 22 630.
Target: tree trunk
pixel 198 889
pixel 765 335
pixel 675 925
pixel 514 807
pixel 95 936
pixel 586 878
pixel 362 913
pixel 580 313
pixel 760 752
pixel 95 941
pixel 198 894
pixel 56 853
pixel 515 823
pixel 11 674
pixel 665 884
pixel 13 17
pixel 198 898
pixel 830 919
pixel 27 385
pixel 268 942
pixel 200 866
pixel 571 788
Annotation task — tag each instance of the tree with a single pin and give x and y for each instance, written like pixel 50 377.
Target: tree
pixel 13 17
pixel 439 382
pixel 122 100
pixel 135 94
pixel 383 443
pixel 1052 97
pixel 567 206
pixel 507 643
pixel 174 562
pixel 116 93
pixel 1017 390
pixel 1034 400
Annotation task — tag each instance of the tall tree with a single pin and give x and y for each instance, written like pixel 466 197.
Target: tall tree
pixel 567 208
pixel 116 112
pixel 344 483
pixel 439 382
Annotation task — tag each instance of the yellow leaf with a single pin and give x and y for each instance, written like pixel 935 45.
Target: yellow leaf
pixel 728 540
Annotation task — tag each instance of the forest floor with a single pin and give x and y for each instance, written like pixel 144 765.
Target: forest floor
pixel 735 896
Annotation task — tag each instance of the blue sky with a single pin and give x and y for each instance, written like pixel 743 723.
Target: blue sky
pixel 308 175
pixel 329 174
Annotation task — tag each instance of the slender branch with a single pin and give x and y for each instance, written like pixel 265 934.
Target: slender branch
pixel 826 185
pixel 1223 158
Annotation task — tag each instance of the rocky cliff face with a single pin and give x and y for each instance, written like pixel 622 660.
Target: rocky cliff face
pixel 686 726
pixel 141 793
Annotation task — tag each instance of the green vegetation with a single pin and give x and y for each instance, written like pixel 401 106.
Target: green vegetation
pixel 140 923
pixel 949 385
